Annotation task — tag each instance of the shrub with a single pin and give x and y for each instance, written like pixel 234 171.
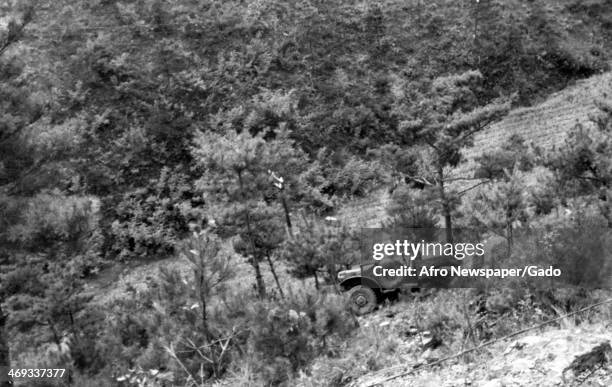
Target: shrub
pixel 286 337
pixel 51 219
pixel 411 209
pixel 161 329
pixel 150 221
pixel 342 175
pixel 316 249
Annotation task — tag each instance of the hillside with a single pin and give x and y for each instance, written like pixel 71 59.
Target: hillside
pixel 568 355
pixel 544 125
pixel 173 175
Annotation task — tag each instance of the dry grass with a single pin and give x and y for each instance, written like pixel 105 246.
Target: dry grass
pixel 116 282
pixel 547 123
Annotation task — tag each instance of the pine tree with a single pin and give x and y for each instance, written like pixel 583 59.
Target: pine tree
pixel 211 269
pixel 318 249
pixel 583 165
pixel 236 180
pixel 501 206
pixel 502 203
pixel 445 121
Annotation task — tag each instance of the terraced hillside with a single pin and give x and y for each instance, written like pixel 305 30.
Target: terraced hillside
pixel 545 125
pixel 367 212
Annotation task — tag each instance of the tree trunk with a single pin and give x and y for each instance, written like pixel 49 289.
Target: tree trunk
pixel 476 41
pixel 448 223
pixel 509 237
pixel 261 286
pixel 287 215
pixel 202 296
pixel 278 285
pixel 5 360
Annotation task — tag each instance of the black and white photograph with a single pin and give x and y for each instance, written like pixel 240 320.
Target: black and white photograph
pixel 334 193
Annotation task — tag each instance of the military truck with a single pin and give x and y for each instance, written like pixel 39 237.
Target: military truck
pixel 366 290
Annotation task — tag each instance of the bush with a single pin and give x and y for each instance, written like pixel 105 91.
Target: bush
pixel 270 341
pixel 317 249
pixel 576 245
pixel 149 221
pixel 340 175
pixel 410 208
pixel 48 220
pixel 284 338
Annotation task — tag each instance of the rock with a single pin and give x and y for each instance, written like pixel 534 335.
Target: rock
pixel 515 345
pixel 336 378
pixel 429 356
pixel 490 383
pixel 550 358
pixel 293 315
pixel 458 382
pixel 595 357
pixel 411 331
pixel 432 342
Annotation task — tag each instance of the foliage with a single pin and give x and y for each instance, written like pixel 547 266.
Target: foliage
pixel 410 208
pixel 582 165
pixel 211 269
pixel 150 221
pixel 236 182
pixel 445 121
pixel 317 249
pixel 575 244
pixel 500 207
pixel 503 202
pixel 338 175
pixel 160 331
pixel 511 155
pixel 52 304
pixel 290 335
pixel 126 125
pixel 232 157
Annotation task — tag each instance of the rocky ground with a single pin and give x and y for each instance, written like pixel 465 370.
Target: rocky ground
pixel 553 357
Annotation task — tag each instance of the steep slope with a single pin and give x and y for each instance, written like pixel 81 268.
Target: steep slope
pixel 544 125
pixel 555 357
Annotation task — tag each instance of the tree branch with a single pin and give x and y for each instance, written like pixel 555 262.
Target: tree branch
pixel 421 180
pixel 472 187
pixel 462 178
pixel 15 35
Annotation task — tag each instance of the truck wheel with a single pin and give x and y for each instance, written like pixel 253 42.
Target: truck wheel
pixel 362 300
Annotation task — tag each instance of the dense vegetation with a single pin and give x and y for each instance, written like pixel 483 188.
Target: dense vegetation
pixel 133 131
